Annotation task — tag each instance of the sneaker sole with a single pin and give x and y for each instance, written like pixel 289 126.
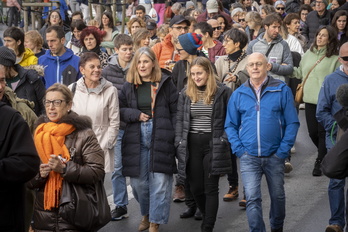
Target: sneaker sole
pixel 178 200
pixel 120 218
pixel 242 204
pixel 230 199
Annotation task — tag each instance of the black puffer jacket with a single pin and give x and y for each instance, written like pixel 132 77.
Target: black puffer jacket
pixel 31 87
pixel 220 147
pixel 88 169
pixel 162 144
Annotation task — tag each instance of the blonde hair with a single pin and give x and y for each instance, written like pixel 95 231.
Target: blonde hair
pixel 139 35
pixel 93 22
pixel 35 37
pixel 133 20
pixel 133 74
pixel 163 30
pixel 209 92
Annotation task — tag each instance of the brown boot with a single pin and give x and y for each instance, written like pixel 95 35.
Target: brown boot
pixel 179 194
pixel 153 227
pixel 144 224
pixel 232 194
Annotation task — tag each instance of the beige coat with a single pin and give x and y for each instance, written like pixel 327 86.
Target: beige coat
pixel 101 105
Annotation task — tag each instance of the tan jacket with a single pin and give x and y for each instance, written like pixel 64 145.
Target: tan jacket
pixel 101 105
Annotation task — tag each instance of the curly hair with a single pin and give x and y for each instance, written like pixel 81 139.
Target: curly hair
pixel 91 30
pixel 133 20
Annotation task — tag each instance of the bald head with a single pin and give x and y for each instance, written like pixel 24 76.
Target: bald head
pixel 216 28
pixel 343 57
pixel 257 67
pixel 344 49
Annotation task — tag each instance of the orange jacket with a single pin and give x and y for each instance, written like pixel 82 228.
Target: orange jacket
pixel 165 50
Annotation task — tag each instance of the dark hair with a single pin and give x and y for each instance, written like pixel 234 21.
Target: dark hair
pixel 18 35
pixel 227 25
pixel 288 18
pixel 63 89
pixel 204 27
pixel 58 29
pixel 60 17
pixel 268 2
pixel 111 20
pixel 77 13
pixel 269 9
pixel 336 17
pixel 272 18
pixel 237 36
pixel 90 30
pixel 78 24
pixel 87 56
pixel 140 7
pixel 331 47
pixel 305 7
pixel 341 2
pixel 188 12
pixel 122 39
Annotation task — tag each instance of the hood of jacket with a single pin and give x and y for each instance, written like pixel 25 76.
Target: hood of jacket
pixel 13 99
pixel 104 84
pixel 66 56
pixel 113 60
pixel 27 53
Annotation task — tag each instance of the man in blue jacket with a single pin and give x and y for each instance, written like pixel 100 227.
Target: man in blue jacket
pixel 262 124
pixel 327 107
pixel 61 65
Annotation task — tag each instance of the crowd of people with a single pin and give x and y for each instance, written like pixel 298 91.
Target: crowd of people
pixel 185 96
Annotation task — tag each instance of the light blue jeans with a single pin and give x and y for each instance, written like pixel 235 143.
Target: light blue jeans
pixel 252 168
pixel 151 189
pixel 119 185
pixel 337 204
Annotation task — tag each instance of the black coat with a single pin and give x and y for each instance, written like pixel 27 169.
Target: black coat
pixel 31 87
pixel 19 163
pixel 162 145
pixel 220 148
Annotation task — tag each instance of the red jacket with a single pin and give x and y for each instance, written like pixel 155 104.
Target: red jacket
pixel 217 50
pixel 165 51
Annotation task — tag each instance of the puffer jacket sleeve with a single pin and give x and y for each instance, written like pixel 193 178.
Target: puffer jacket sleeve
pixel 180 150
pixel 128 114
pixel 90 169
pixel 114 117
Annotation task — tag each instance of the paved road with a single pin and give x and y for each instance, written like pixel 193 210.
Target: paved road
pixel 307 206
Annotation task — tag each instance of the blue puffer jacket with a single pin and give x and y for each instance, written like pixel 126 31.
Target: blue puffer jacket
pixel 265 127
pixel 327 105
pixel 60 69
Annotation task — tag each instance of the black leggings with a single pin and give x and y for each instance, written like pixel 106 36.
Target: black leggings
pixel 316 131
pixel 204 187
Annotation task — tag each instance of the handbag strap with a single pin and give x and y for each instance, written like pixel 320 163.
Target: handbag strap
pixel 72 148
pixel 269 50
pixel 318 61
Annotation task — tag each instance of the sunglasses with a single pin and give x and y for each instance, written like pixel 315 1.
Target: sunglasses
pixel 217 28
pixel 280 8
pixel 181 28
pixel 345 58
pixel 179 50
pixel 241 20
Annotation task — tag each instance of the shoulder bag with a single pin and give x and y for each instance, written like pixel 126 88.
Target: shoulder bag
pixel 299 89
pixel 84 205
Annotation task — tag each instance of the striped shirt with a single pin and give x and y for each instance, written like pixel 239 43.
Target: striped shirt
pixel 201 117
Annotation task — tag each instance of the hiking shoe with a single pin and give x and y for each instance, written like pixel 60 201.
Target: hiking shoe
pixel 153 227
pixel 293 150
pixel 317 169
pixel 333 228
pixel 232 194
pixel 119 213
pixel 144 224
pixel 179 194
pixel 242 203
pixel 288 167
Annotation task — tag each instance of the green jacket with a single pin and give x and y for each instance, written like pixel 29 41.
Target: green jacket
pixel 23 106
pixel 316 77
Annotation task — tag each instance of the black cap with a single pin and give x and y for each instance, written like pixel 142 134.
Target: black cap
pixel 151 24
pixel 178 19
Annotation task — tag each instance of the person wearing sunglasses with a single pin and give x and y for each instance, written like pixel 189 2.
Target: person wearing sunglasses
pixel 217 29
pixel 319 17
pixel 280 8
pixel 211 48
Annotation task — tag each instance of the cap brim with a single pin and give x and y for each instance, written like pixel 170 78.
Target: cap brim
pixel 181 21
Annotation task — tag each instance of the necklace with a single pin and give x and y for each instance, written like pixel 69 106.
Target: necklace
pixel 234 68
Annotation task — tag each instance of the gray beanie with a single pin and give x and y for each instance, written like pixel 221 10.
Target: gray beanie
pixel 7 57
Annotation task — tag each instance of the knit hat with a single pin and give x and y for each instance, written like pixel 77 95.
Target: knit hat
pixel 190 4
pixel 190 42
pixel 235 11
pixel 7 57
pixel 278 3
pixel 212 6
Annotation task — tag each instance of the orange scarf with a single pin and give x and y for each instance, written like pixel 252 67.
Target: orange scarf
pixel 49 139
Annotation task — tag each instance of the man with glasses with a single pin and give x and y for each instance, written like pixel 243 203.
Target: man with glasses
pixel 217 30
pixel 320 16
pixel 327 108
pixel 261 125
pixel 165 51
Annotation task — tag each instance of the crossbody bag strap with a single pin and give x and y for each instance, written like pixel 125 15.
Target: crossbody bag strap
pixel 269 50
pixel 73 148
pixel 318 61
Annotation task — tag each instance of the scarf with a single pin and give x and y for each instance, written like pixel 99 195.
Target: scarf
pixel 76 42
pixel 234 56
pixel 96 49
pixel 49 139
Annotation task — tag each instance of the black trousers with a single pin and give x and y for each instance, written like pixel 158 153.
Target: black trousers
pixel 316 131
pixel 204 187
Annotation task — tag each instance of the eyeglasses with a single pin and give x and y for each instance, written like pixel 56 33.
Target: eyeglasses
pixel 345 58
pixel 318 2
pixel 56 103
pixel 241 20
pixel 280 8
pixel 55 16
pixel 217 28
pixel 179 50
pixel 180 28
pixel 258 64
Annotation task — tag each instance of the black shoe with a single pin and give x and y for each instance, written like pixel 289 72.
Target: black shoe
pixel 277 230
pixel 317 168
pixel 189 212
pixel 119 213
pixel 198 215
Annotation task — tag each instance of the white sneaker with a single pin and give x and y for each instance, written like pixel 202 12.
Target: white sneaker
pixel 293 149
pixel 288 167
pixel 302 106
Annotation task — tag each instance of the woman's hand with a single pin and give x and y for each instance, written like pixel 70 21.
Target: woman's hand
pixel 56 164
pixel 231 78
pixel 44 170
pixel 143 117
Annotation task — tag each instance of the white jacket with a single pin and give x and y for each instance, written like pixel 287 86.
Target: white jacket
pixel 101 105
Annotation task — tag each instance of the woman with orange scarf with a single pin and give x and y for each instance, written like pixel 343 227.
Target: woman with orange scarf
pixel 61 134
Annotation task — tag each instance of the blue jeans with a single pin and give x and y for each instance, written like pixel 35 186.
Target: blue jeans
pixel 336 199
pixel 252 168
pixel 152 190
pixel 119 185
